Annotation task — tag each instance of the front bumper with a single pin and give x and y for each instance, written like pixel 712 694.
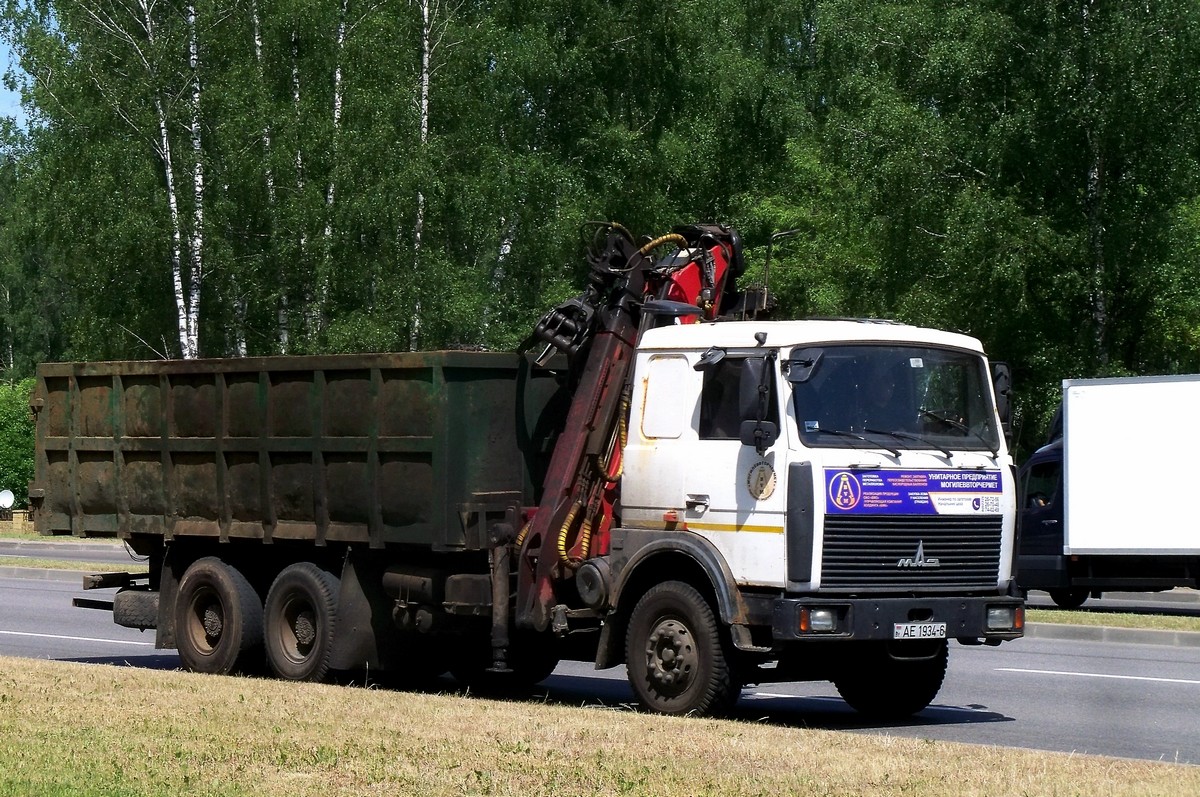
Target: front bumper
pixel 966 619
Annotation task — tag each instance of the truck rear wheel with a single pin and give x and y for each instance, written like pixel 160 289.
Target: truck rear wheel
pixel 301 614
pixel 879 686
pixel 218 619
pixel 676 654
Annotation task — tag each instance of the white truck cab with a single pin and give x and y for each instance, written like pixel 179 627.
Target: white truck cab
pixel 887 433
pixel 839 492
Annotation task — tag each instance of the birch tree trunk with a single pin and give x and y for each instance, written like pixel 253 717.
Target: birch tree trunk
pixel 496 282
pixel 197 239
pixel 426 77
pixel 141 40
pixel 302 240
pixel 320 315
pixel 181 308
pixel 269 183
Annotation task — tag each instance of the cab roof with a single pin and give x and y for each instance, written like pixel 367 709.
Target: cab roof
pixel 786 334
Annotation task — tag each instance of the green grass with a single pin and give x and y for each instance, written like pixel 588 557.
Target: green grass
pixel 69 729
pixel 1113 620
pixel 62 564
pixel 33 536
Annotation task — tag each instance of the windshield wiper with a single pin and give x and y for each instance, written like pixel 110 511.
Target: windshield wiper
pixel 951 422
pixel 906 436
pixel 960 426
pixel 872 443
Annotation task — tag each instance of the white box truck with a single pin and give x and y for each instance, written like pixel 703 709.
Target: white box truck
pixel 1108 504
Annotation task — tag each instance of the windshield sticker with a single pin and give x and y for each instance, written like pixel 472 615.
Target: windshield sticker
pixel 912 492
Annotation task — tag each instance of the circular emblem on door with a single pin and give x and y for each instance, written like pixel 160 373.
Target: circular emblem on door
pixel 761 480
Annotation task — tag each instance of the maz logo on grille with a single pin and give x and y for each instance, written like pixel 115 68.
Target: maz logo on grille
pixel 919 561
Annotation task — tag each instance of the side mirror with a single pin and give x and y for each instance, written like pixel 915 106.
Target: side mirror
pixel 1002 382
pixel 760 434
pixel 754 397
pixel 752 391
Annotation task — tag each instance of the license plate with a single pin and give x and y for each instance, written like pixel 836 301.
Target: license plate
pixel 919 631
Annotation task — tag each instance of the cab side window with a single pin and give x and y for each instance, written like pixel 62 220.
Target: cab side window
pixel 720 412
pixel 1041 485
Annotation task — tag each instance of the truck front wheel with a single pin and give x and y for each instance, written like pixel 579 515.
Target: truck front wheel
pixel 676 653
pixel 880 686
pixel 301 613
pixel 218 619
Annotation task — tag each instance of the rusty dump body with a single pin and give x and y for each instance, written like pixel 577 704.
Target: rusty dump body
pixel 374 449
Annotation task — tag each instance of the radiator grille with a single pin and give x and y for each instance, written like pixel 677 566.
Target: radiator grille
pixel 863 553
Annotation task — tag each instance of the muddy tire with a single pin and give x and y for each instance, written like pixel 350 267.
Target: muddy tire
pixel 218 619
pixel 301 618
pixel 884 688
pixel 677 655
pixel 135 608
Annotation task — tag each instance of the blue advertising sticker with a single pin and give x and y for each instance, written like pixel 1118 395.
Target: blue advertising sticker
pixel 912 492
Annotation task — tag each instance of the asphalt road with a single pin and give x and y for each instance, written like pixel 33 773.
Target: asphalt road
pixel 1106 698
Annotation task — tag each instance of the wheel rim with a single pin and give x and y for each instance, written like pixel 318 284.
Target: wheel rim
pixel 671 657
pixel 206 622
pixel 298 631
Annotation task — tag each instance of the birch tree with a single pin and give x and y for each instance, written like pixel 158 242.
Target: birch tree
pixel 130 35
pixel 436 17
pixel 191 307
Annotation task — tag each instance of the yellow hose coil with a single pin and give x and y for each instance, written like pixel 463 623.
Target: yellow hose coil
pixel 565 530
pixel 671 237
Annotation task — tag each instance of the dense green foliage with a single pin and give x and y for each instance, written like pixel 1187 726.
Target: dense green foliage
pixel 340 176
pixel 16 437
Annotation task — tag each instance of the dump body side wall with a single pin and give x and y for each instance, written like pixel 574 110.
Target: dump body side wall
pixel 379 449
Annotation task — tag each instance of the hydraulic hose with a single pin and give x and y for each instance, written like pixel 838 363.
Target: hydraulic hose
pixel 671 237
pixel 563 556
pixel 616 446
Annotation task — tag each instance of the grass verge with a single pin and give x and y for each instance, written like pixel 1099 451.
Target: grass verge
pixel 86 731
pixel 1113 620
pixel 59 564
pixel 33 536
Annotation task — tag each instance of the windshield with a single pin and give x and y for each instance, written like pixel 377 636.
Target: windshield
pixel 889 396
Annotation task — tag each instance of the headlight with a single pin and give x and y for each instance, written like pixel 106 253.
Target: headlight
pixel 1005 618
pixel 817 620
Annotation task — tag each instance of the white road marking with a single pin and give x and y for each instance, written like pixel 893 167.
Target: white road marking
pixel 78 638
pixel 1101 675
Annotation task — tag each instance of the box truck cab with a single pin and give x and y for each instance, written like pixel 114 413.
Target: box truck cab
pixel 1100 509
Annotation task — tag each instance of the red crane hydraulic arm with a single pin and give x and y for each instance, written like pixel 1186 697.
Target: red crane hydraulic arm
pixel 628 291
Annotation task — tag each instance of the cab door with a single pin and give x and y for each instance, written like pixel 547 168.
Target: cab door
pixel 1040 561
pixel 734 496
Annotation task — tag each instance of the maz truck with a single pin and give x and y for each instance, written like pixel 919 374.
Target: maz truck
pixel 710 502
pixel 1105 505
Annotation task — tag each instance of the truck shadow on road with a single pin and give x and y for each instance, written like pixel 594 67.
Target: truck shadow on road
pixel 813 711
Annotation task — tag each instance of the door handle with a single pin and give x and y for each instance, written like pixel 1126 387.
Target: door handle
pixel 697 503
pixel 1050 522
